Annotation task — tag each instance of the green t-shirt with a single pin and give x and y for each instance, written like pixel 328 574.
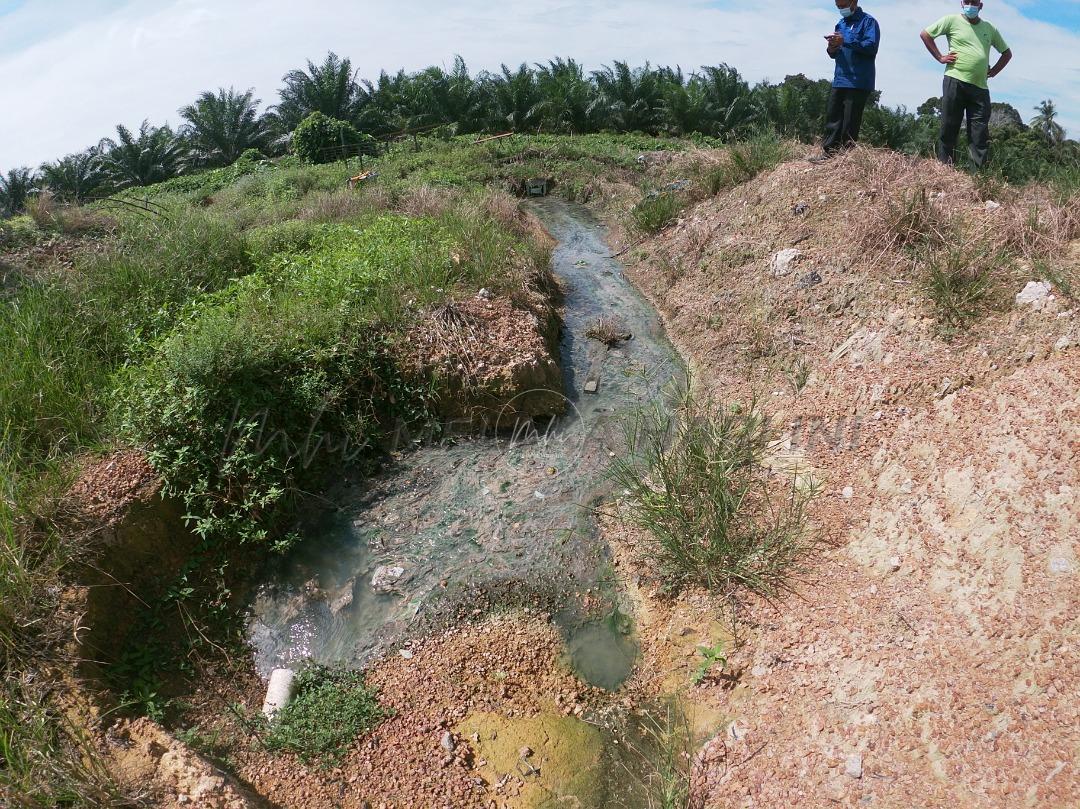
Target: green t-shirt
pixel 972 45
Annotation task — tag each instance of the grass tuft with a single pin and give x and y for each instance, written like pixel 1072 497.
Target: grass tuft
pixel 958 282
pixel 697 482
pixel 654 213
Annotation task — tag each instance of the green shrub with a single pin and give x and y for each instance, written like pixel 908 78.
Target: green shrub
pixel 332 707
pixel 241 403
pixel 320 139
pixel 696 480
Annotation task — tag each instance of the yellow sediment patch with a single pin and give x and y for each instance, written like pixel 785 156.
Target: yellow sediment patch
pixel 563 768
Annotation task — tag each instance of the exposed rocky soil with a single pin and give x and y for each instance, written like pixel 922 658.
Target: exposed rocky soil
pixel 931 655
pixel 462 703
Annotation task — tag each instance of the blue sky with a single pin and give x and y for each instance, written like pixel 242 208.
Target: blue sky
pixel 73 69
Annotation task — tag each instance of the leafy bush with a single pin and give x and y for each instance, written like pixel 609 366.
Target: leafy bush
pixel 696 481
pixel 241 403
pixel 319 139
pixel 331 708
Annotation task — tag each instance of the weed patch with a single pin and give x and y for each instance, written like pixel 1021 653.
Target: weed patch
pixel 654 213
pixel 958 282
pixel 332 707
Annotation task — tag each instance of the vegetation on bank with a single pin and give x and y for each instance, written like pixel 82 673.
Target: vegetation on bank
pixel 331 707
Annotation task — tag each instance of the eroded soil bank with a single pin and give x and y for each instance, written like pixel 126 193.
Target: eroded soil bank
pixel 931 655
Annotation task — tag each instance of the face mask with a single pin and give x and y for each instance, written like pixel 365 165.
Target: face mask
pixel 846 12
pixel 971 12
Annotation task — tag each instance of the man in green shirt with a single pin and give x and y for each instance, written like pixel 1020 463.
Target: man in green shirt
pixel 967 69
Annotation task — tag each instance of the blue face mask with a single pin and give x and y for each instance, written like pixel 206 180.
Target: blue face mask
pixel 846 12
pixel 971 12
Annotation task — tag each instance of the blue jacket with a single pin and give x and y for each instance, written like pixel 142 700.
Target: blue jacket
pixel 855 61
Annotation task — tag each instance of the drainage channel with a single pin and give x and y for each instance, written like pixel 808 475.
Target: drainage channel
pixel 506 516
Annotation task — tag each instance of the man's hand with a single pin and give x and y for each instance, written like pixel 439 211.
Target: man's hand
pixel 836 41
pixel 948 59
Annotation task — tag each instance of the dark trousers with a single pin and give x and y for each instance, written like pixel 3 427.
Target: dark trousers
pixel 960 99
pixel 843 118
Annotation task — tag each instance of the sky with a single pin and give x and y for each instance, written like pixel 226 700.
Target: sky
pixel 73 69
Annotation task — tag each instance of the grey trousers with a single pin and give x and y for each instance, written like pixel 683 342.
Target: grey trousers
pixel 960 99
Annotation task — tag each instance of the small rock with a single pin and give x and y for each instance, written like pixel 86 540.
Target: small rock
pixel 385 577
pixel 484 294
pixel 447 742
pixel 1034 294
pixel 811 279
pixel 853 766
pixel 991 205
pixel 894 563
pixel 783 261
pixel 759 670
pixel 525 752
pixel 344 598
pixel 800 208
pixel 407 654
pixel 908 486
pixel 592 385
pixel 1064 344
pixel 848 492
pixel 1059 565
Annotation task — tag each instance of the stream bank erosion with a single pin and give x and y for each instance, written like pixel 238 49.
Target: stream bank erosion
pixel 930 655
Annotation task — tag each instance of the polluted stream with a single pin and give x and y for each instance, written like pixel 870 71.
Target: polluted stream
pixel 477 523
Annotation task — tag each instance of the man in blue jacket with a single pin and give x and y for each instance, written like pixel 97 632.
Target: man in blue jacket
pixel 853 46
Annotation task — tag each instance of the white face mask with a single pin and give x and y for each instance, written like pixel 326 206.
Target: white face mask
pixel 971 12
pixel 846 12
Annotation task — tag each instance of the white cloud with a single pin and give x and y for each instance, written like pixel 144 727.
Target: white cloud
pixel 65 92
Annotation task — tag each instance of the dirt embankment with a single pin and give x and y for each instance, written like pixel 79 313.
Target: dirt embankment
pixel 932 655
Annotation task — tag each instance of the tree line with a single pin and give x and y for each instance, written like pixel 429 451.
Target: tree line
pixel 559 96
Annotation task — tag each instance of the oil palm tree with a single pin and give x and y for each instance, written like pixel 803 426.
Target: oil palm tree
pixel 15 187
pixel 330 88
pixel 1045 123
pixel 221 126
pixel 628 99
pixel 510 98
pixel 567 97
pixel 75 178
pixel 153 155
pixel 437 96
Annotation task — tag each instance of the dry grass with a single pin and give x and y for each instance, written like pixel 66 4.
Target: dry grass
pixel 607 331
pixel 338 206
pixel 50 214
